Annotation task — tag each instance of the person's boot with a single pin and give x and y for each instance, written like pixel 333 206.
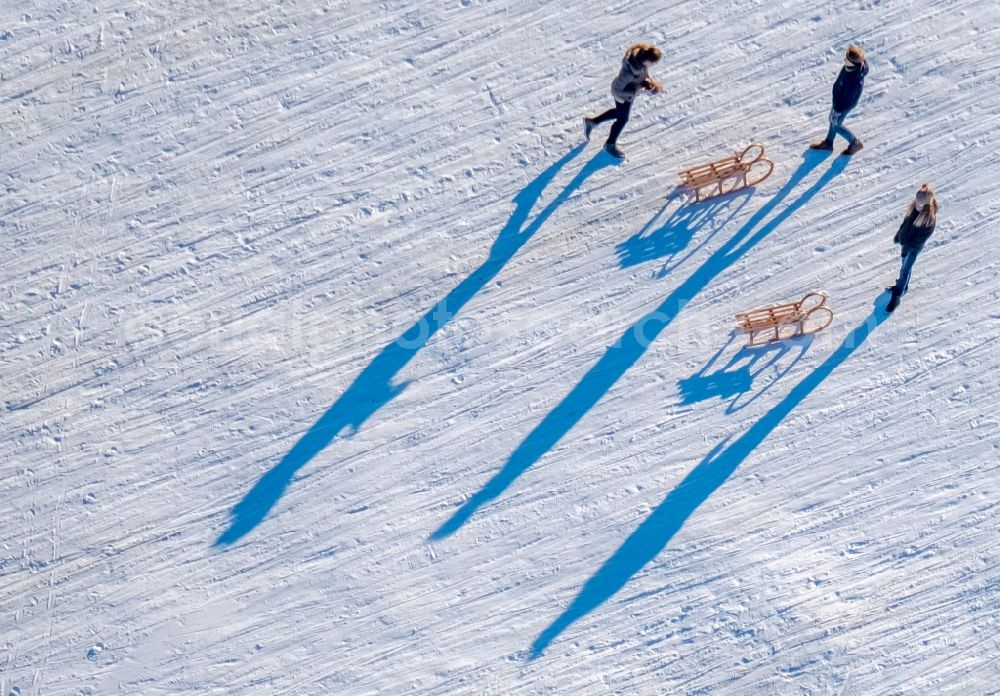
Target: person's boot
pixel 588 127
pixel 822 145
pixel 893 300
pixel 853 147
pixel 613 150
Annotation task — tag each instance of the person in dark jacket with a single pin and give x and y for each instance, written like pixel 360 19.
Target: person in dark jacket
pixel 846 93
pixel 917 227
pixel 632 79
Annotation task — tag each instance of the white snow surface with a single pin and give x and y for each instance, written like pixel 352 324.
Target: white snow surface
pixel 334 363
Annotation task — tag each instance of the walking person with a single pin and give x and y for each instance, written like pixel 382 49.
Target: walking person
pixel 917 227
pixel 632 79
pixel 846 93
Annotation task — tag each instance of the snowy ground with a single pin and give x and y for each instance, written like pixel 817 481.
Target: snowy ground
pixel 334 364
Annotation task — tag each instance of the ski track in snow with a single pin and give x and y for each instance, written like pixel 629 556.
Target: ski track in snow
pixel 216 221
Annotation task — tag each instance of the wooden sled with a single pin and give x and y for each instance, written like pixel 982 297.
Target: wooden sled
pixel 727 175
pixel 807 316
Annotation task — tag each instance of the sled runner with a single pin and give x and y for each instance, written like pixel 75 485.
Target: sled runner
pixel 807 316
pixel 727 175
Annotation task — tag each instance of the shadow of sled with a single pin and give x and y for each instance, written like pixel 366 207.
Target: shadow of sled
pixel 736 378
pixel 677 231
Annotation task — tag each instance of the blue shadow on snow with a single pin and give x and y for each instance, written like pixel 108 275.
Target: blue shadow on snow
pixel 374 387
pixel 677 231
pixel 655 532
pixel 634 342
pixel 737 377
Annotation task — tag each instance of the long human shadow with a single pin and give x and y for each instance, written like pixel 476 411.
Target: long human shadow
pixel 658 529
pixel 373 388
pixel 634 342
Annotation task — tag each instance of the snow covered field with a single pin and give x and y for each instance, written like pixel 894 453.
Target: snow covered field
pixel 334 363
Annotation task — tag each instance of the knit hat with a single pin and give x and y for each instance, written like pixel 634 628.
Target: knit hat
pixel 925 195
pixel 855 54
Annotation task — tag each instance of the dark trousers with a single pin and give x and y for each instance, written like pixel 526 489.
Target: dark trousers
pixel 909 256
pixel 620 115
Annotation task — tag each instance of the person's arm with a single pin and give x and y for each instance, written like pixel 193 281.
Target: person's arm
pixel 857 85
pixel 922 234
pixel 639 77
pixel 628 81
pixel 838 92
pixel 904 226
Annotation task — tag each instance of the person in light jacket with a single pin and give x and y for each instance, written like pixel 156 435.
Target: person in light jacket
pixel 846 93
pixel 632 79
pixel 917 227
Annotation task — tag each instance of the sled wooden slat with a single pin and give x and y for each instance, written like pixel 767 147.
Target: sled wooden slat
pixel 789 320
pixel 746 169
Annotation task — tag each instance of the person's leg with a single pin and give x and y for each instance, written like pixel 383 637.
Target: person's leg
pixel 854 143
pixel 835 121
pixel 843 131
pixel 590 122
pixel 831 133
pixel 827 142
pixel 909 256
pixel 837 127
pixel 606 116
pixel 622 110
